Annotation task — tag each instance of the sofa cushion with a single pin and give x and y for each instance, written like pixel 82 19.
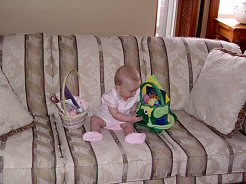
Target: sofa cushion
pixel 96 59
pixel 219 95
pixel 202 151
pixel 177 63
pixel 13 115
pixel 188 149
pixel 112 160
pixel 32 156
pixel 27 63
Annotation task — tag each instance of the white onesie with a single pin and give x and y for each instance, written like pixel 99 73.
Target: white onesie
pixel 112 99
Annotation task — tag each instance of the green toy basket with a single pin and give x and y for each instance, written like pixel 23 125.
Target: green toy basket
pixel 156 118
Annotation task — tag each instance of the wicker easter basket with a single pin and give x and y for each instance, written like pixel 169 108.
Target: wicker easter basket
pixel 75 121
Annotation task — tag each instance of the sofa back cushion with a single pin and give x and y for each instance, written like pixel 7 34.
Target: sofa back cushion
pixel 26 62
pixel 96 59
pixel 36 64
pixel 177 62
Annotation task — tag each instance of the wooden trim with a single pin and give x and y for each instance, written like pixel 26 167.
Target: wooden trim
pixel 213 13
pixel 194 17
pixel 178 17
pixel 200 17
pixel 187 16
pixel 156 15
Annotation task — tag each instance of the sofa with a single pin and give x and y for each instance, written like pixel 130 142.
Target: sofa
pixel 35 66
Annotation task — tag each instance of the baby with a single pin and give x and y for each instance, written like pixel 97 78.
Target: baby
pixel 118 109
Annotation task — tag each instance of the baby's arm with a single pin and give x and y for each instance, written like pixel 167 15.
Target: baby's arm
pixel 123 117
pixel 134 108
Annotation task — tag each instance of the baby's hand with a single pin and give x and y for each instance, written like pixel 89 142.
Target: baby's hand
pixel 134 118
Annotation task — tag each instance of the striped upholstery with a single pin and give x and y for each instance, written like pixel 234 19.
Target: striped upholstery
pixel 190 152
pixel 177 62
pixel 26 62
pixel 37 68
pixel 36 65
pixel 93 57
pixel 32 156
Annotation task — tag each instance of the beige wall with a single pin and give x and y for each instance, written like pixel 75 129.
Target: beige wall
pixel 101 17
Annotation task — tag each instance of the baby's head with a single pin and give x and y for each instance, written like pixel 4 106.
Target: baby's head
pixel 127 81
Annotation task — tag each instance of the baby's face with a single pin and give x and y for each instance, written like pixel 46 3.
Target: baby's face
pixel 128 90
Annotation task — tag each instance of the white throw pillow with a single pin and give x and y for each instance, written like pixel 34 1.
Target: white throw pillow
pixel 218 98
pixel 13 115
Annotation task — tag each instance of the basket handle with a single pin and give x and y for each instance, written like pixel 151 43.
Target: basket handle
pixel 63 87
pixel 157 90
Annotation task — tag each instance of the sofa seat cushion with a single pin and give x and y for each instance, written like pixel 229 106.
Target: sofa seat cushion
pixel 112 160
pixel 188 149
pixel 31 156
pixel 202 151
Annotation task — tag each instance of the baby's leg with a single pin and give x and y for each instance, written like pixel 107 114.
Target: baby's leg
pixel 97 124
pixel 131 136
pixel 128 128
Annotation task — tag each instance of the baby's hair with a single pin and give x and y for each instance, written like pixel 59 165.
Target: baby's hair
pixel 124 73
